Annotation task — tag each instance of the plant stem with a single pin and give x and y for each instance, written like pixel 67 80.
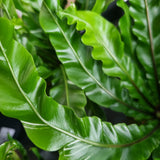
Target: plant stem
pixel 66 85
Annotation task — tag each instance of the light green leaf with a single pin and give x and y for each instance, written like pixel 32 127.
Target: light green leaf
pixel 108 47
pixel 83 71
pixel 50 125
pixel 101 5
pixel 146 16
pixel 6 26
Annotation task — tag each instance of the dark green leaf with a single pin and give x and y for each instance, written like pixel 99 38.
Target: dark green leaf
pixel 156 154
pixel 146 16
pixel 85 4
pixel 66 93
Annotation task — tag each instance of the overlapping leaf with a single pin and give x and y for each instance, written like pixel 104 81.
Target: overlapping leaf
pixel 146 17
pixel 83 70
pixel 50 125
pixel 108 47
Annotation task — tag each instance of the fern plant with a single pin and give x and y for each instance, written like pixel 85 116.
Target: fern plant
pixel 115 67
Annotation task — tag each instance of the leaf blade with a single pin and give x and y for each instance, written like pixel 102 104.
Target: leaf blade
pixel 115 63
pixel 148 35
pixel 44 116
pixel 76 59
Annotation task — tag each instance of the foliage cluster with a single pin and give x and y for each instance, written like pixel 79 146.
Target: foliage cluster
pixel 59 66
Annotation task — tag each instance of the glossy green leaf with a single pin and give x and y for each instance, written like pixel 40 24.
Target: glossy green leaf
pixel 65 92
pixel 101 5
pixel 128 152
pixel 146 16
pixel 83 71
pixel 50 125
pixel 32 37
pixel 108 47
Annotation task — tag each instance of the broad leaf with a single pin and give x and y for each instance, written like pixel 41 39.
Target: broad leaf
pixel 50 125
pixel 128 152
pixel 146 16
pixel 83 71
pixel 108 47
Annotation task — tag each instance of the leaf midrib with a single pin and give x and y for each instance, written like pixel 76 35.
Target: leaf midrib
pixel 124 71
pixel 85 69
pixel 33 108
pixel 59 129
